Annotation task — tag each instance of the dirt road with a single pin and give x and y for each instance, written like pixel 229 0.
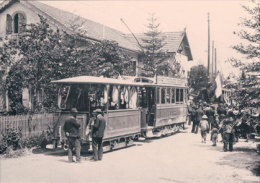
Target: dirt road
pixel 179 158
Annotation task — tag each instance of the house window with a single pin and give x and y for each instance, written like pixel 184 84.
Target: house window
pixel 15 23
pixel 9 20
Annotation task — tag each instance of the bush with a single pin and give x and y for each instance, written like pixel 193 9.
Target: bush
pixel 3 146
pixel 10 153
pixel 12 137
pixel 12 140
pixel 35 141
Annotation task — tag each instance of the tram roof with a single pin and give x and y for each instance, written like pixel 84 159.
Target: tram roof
pixel 96 80
pixel 163 85
pixel 103 80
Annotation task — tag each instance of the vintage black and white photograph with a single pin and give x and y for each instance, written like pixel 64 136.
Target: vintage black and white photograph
pixel 122 91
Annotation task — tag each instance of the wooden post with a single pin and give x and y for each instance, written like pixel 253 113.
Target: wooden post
pixel 212 76
pixel 215 61
pixel 208 47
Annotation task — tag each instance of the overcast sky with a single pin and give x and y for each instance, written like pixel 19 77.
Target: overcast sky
pixel 172 16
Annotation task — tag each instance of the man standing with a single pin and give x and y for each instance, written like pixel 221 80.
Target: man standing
pixel 228 134
pixel 71 129
pixel 97 135
pixel 198 115
pixel 204 127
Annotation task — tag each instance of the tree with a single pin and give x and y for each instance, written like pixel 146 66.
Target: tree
pixel 248 87
pixel 198 82
pixel 153 58
pixel 42 54
pixel 198 78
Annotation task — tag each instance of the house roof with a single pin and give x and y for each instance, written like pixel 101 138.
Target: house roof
pixel 172 41
pixel 66 19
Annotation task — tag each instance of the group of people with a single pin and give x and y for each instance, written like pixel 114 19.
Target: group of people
pixel 72 132
pixel 231 122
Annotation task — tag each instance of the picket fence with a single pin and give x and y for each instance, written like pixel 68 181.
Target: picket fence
pixel 30 125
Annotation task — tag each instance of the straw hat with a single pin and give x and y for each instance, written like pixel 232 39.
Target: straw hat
pixel 204 117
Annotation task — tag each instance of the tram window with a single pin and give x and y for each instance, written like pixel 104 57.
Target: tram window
pixel 63 96
pixel 142 97
pixel 168 95
pixel 173 95
pixel 158 96
pixel 177 95
pixel 181 95
pixel 163 95
pixel 82 104
pixel 73 97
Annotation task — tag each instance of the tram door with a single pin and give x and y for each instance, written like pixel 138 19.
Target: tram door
pixel 151 106
pixel 147 104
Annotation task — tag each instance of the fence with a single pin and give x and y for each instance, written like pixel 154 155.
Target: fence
pixel 30 125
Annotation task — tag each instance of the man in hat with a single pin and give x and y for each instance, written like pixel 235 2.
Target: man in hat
pixel 71 129
pixel 228 133
pixel 97 135
pixel 204 127
pixel 198 115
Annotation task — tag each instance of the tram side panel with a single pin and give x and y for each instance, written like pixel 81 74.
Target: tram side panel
pixel 122 126
pixel 122 123
pixel 170 114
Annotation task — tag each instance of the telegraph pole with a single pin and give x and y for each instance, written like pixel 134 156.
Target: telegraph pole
pixel 216 61
pixel 212 64
pixel 208 47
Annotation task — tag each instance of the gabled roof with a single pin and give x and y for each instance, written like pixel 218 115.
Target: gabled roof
pixel 65 20
pixel 172 41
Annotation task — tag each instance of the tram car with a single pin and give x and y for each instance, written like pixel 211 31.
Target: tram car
pixel 132 107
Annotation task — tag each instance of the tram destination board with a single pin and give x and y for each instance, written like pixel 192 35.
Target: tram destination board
pixel 171 81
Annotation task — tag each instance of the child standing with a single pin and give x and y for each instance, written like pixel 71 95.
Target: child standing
pixel 204 127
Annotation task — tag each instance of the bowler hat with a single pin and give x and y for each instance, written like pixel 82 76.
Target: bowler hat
pixel 73 110
pixel 98 111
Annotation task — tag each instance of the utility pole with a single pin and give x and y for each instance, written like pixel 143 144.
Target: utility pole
pixel 215 61
pixel 208 47
pixel 212 64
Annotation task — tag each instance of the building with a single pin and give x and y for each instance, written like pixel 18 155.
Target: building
pixel 14 12
pixel 176 45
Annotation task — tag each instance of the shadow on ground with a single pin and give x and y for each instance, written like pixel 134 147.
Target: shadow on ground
pixel 243 158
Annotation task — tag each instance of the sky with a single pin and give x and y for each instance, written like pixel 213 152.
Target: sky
pixel 173 15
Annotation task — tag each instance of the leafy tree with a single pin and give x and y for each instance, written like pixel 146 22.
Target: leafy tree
pixel 198 78
pixel 42 54
pixel 153 58
pixel 110 61
pixel 248 87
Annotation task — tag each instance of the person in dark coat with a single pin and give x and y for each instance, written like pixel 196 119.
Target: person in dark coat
pixel 228 134
pixel 71 129
pixel 210 112
pixel 198 117
pixel 192 117
pixel 221 110
pixel 98 130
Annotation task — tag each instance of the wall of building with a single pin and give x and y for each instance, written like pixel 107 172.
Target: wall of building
pixel 31 17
